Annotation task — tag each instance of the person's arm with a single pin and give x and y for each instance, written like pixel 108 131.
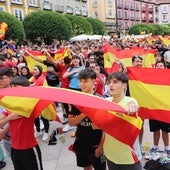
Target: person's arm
pixel 35 58
pixel 68 74
pixel 99 149
pixel 75 120
pixel 5 119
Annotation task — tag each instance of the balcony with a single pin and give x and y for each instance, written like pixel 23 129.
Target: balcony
pixel 137 18
pixel 137 8
pixel 119 5
pixel 132 7
pixel 47 6
pixel 78 12
pixel 84 13
pixel 126 18
pixel 119 16
pixel 59 8
pixel 150 19
pixel 126 6
pixel 132 18
pixel 69 10
pixel 164 11
pixel 143 9
pixel 143 19
pixel 156 19
pixel 150 10
pixel 84 0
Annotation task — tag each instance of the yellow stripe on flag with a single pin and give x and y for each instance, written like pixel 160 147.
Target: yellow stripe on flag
pixel 135 121
pixel 150 92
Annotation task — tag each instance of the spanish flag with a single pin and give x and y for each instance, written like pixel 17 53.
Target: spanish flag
pixel 3 29
pixel 102 112
pixel 31 62
pixel 60 54
pixel 151 88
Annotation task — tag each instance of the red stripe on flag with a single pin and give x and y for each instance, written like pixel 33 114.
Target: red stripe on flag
pixel 149 75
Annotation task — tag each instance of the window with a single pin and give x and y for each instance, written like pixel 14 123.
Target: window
pixel 110 13
pixel 164 9
pixel 1 8
pixel 17 1
pixel 19 14
pixel 109 2
pixel 95 14
pixel 32 2
pixel 165 17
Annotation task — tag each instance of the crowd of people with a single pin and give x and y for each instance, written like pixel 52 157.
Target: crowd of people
pixel 82 70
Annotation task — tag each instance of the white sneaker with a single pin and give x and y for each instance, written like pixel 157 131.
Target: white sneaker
pixel 45 136
pixel 67 127
pixel 36 134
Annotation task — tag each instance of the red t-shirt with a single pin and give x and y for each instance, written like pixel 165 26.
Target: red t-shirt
pixel 22 132
pixel 38 81
pixel 64 81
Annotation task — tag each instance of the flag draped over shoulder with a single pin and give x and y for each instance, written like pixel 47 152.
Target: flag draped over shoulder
pixel 151 88
pixel 31 62
pixel 102 112
pixel 60 54
pixel 3 29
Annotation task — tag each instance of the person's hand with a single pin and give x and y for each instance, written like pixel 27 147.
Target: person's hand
pixel 98 152
pixel 14 116
pixel 131 108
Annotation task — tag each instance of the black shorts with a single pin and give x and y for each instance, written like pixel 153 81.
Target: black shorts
pixel 85 156
pixel 156 125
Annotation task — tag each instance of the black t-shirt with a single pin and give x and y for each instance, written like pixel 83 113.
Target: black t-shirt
pixel 52 79
pixel 85 133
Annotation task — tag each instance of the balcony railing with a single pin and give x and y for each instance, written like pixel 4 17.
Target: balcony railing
pixel 47 6
pixel 59 8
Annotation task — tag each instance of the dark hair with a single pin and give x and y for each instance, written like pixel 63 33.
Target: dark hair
pixel 118 76
pixel 6 71
pixel 160 62
pixel 75 56
pixel 67 60
pixel 136 56
pixel 20 81
pixel 87 73
pixel 28 75
pixel 40 69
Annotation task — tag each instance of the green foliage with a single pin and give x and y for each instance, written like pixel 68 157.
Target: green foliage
pixel 138 28
pixel 47 25
pixel 15 28
pixel 166 29
pixel 97 25
pixel 79 25
pixel 155 29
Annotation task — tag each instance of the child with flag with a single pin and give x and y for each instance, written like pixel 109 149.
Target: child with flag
pixel 25 151
pixel 121 156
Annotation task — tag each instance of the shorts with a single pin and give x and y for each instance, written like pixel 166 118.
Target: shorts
pixel 156 125
pixel 112 165
pixel 85 156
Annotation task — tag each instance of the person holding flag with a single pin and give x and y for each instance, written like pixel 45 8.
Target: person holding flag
pixel 119 155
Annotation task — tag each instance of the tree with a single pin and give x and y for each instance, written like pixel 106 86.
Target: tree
pixel 79 25
pixel 138 28
pixel 47 26
pixel 15 27
pixel 97 25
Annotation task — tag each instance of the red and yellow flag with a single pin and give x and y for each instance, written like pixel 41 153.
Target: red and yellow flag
pixel 31 62
pixel 125 56
pixel 102 112
pixel 151 88
pixel 60 54
pixel 3 29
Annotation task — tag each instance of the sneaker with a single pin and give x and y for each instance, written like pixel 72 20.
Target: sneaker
pixel 67 127
pixel 142 149
pixel 167 152
pixel 2 164
pixel 37 134
pixel 45 136
pixel 64 120
pixel 153 149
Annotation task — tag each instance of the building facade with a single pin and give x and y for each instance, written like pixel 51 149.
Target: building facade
pixel 21 8
pixel 122 14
